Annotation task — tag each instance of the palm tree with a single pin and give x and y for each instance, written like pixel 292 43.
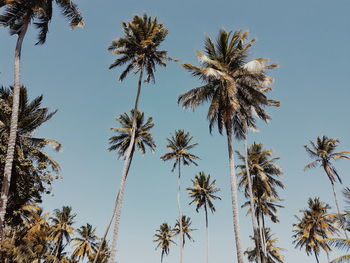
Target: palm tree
pixel 17 17
pixel 264 175
pixel 314 228
pixel 273 253
pixel 85 244
pixel 164 237
pixel 139 49
pixel 229 86
pixel 31 164
pixel 61 229
pixel 203 194
pixel 179 145
pixel 103 255
pixel 121 143
pixel 186 229
pixel 323 153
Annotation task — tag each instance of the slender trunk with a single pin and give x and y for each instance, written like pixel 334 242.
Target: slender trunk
pixel 207 234
pixel 106 232
pixel 338 207
pixel 125 171
pixel 263 235
pixel 236 227
pixel 327 253
pixel 316 257
pixel 6 181
pixel 252 205
pixel 180 212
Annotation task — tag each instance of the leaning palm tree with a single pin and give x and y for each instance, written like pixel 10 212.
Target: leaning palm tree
pixel 179 145
pixel 273 253
pixel 314 228
pixel 139 48
pixel 186 229
pixel 164 237
pixel 229 87
pixel 323 153
pixel 121 143
pixel 61 229
pixel 32 164
pixel 203 194
pixel 85 244
pixel 17 17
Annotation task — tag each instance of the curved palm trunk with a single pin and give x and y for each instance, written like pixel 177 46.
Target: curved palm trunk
pixel 106 232
pixel 180 212
pixel 207 234
pixel 6 181
pixel 252 205
pixel 127 163
pixel 236 227
pixel 263 236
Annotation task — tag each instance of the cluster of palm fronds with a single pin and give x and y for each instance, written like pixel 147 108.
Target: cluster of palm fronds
pixel 44 238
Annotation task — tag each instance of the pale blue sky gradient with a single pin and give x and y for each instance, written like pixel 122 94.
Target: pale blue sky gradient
pixel 309 40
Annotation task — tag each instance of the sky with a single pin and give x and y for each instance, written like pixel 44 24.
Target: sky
pixel 309 40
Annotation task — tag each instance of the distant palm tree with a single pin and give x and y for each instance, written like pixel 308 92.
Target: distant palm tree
pixel 273 253
pixel 314 228
pixel 229 86
pixel 139 48
pixel 17 17
pixel 164 237
pixel 103 255
pixel 203 194
pixel 323 153
pixel 179 146
pixel 121 144
pixel 31 162
pixel 186 228
pixel 61 229
pixel 265 180
pixel 85 244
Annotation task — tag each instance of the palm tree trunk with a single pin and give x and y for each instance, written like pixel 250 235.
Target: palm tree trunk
pixel 316 258
pixel 180 212
pixel 337 204
pixel 263 235
pixel 125 171
pixel 6 181
pixel 327 253
pixel 207 234
pixel 236 227
pixel 106 232
pixel 252 205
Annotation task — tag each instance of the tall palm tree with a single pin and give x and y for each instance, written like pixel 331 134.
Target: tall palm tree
pixel 32 166
pixel 85 244
pixel 17 17
pixel 179 145
pixel 314 228
pixel 229 87
pixel 323 152
pixel 186 229
pixel 61 229
pixel 121 143
pixel 203 194
pixel 164 237
pixel 273 252
pixel 139 48
pixel 264 175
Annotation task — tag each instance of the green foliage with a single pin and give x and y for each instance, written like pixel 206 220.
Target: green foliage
pixel 186 229
pixel 164 237
pixel 33 170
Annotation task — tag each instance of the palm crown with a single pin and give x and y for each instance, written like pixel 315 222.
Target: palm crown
pixel 139 47
pixel 86 243
pixel 203 192
pixel 232 86
pixel 19 13
pixel 143 137
pixel 164 237
pixel 323 151
pixel 179 145
pixel 186 228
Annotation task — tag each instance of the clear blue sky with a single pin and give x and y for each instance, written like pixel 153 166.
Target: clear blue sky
pixel 309 40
